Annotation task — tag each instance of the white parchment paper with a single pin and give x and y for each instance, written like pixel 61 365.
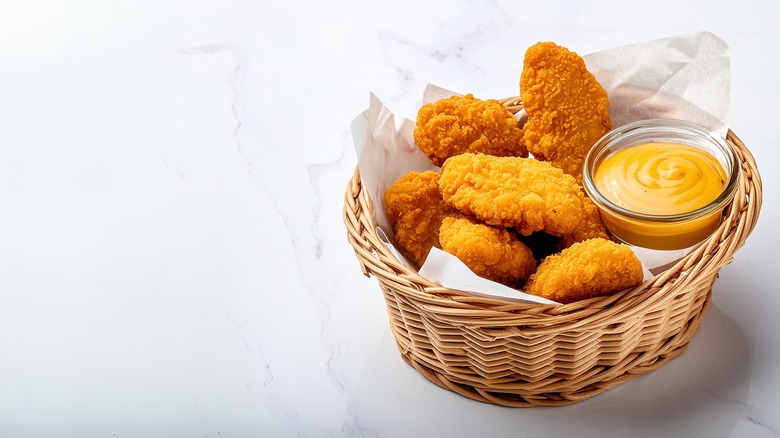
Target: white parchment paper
pixel 683 77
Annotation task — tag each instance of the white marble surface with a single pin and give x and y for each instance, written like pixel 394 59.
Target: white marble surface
pixel 172 256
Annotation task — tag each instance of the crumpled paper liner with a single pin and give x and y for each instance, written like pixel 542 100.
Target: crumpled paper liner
pixel 683 77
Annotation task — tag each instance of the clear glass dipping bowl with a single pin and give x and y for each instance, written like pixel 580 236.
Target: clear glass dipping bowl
pixel 662 232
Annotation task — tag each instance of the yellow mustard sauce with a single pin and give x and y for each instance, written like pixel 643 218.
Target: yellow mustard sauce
pixel 660 178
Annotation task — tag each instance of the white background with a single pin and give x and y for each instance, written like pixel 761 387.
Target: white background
pixel 173 260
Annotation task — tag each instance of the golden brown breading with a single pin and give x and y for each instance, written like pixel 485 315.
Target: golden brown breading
pixel 461 124
pixel 587 269
pixel 523 193
pixel 490 252
pixel 416 209
pixel 591 226
pixel 567 108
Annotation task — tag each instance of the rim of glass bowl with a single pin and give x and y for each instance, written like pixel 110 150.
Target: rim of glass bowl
pixel 669 130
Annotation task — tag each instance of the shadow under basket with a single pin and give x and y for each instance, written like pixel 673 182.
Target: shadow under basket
pixel 524 354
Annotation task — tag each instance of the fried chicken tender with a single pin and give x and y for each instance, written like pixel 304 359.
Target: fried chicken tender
pixel 416 209
pixel 461 124
pixel 492 253
pixel 513 192
pixel 587 269
pixel 591 226
pixel 567 108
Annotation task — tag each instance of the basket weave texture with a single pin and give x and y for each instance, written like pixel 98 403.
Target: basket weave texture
pixel 524 354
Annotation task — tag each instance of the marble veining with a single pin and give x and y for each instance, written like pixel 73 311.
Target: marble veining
pixel 763 420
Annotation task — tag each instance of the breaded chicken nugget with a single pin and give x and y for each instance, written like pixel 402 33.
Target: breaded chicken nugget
pixel 416 209
pixel 513 192
pixel 591 226
pixel 567 108
pixel 461 124
pixel 490 252
pixel 587 269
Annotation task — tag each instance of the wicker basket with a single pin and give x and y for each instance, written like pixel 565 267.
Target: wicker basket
pixel 521 354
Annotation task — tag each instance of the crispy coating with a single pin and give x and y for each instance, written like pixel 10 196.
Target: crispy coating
pixel 416 209
pixel 591 226
pixel 567 108
pixel 461 124
pixel 490 252
pixel 513 192
pixel 587 269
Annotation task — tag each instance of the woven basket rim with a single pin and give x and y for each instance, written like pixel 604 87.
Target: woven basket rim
pixel 714 252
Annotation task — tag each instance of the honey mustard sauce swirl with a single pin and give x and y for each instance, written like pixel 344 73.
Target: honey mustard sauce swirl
pixel 660 178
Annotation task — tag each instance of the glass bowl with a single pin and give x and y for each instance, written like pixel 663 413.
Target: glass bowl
pixel 656 231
